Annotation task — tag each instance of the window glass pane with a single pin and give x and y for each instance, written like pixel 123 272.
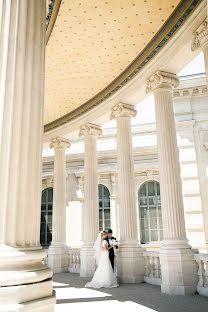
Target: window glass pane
pixel 106 192
pixel 42 238
pixel 100 191
pixel 50 206
pixel 43 197
pixel 49 227
pixel 107 213
pixel 144 223
pixel 158 201
pixel 49 238
pixel 142 191
pixel 100 203
pixel 143 212
pixel 107 224
pixel 152 201
pixel 50 195
pixel 158 189
pixel 100 225
pixel 100 214
pixel 46 217
pixel 43 217
pixel 43 207
pixel 151 189
pixel 152 212
pixel 42 228
pixel 145 237
pixel 143 201
pixel 153 223
pixel 154 236
pixel 107 203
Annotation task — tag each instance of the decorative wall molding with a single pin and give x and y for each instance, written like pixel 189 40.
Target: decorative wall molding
pixel 194 91
pixel 200 36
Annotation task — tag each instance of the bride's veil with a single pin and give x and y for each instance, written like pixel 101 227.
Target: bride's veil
pixel 97 248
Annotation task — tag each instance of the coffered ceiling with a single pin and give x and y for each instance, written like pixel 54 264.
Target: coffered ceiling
pixel 92 44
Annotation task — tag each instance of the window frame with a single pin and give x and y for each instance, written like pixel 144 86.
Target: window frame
pixel 156 202
pixel 103 208
pixel 46 214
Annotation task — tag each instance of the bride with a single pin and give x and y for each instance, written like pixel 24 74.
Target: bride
pixel 104 275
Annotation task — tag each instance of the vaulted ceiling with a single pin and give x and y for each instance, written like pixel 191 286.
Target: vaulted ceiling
pixel 94 43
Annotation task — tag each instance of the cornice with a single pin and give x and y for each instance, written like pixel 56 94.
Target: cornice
pixel 51 14
pixel 175 21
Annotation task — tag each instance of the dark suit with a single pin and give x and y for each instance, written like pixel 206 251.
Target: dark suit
pixel 111 251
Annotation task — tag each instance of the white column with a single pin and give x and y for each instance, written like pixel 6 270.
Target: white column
pixel 25 282
pixel 177 259
pixel 130 258
pixel 58 251
pixel 200 41
pixel 90 209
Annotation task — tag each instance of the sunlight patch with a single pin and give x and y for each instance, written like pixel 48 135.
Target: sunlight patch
pixel 79 293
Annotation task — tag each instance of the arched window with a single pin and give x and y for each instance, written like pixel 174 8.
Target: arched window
pixel 46 217
pixel 150 213
pixel 104 208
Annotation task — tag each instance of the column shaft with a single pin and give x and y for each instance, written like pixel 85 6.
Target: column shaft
pixel 22 49
pixel 170 180
pixel 178 265
pixel 90 210
pixel 58 251
pixel 126 183
pixel 130 255
pixel 90 213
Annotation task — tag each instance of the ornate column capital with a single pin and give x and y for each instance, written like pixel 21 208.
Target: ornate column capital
pixel 161 79
pixel 91 129
pixel 200 37
pixel 59 143
pixel 123 110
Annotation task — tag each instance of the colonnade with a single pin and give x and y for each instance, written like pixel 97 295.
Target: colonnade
pixel 26 283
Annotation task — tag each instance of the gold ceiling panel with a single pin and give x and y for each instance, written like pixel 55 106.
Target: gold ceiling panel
pixel 92 43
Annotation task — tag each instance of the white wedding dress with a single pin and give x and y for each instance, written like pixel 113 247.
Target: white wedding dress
pixel 104 275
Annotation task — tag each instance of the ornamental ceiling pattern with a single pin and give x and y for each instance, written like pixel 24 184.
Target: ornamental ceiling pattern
pixel 92 43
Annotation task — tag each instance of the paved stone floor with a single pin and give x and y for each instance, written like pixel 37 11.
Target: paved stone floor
pixel 73 296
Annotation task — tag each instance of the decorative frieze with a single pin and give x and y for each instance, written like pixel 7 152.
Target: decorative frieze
pixel 192 91
pixel 161 79
pixel 200 37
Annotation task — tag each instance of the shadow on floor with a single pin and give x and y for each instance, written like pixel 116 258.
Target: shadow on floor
pixel 133 297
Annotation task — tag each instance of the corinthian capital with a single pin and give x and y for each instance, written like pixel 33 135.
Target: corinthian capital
pixel 59 143
pixel 89 128
pixel 123 110
pixel 200 37
pixel 161 79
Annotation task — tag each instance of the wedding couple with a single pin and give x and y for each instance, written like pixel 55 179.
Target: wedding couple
pixel 104 253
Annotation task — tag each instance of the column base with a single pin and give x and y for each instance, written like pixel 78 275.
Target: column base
pixel 130 263
pixel 178 269
pixel 40 305
pixel 58 258
pixel 24 279
pixel 87 256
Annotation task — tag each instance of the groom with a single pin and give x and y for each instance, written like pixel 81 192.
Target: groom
pixel 111 251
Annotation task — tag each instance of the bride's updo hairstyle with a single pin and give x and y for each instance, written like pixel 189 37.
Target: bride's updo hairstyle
pixel 104 234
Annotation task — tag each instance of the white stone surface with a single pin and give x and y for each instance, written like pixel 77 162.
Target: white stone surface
pixel 130 262
pixel 58 251
pixel 24 277
pixel 177 259
pixel 90 209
